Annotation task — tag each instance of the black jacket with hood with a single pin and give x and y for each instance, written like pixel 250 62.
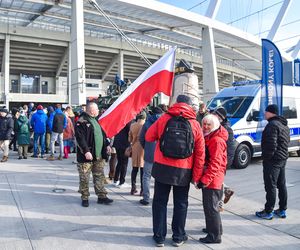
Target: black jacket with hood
pixel 275 140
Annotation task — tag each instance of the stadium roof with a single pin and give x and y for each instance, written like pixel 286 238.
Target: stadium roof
pixel 149 22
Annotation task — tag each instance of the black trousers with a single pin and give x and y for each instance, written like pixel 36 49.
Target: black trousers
pixel 134 173
pixel 159 211
pixel 211 198
pixel 121 168
pixel 274 177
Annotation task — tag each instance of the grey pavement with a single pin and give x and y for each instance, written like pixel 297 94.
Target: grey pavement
pixel 32 216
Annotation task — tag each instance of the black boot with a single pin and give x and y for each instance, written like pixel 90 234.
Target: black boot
pixel 105 201
pixel 85 203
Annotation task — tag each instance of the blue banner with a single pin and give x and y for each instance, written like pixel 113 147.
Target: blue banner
pixel 271 84
pixel 271 76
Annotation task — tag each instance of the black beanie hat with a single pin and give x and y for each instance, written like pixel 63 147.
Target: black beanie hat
pixel 221 112
pixel 272 108
pixel 184 98
pixel 4 110
pixel 157 111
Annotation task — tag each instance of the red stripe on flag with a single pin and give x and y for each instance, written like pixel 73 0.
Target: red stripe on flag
pixel 136 101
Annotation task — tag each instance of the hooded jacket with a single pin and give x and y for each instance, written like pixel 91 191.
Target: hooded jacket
pixel 231 143
pixel 23 137
pixel 57 121
pixel 275 140
pixel 216 158
pixel 149 147
pixel 177 172
pixel 38 122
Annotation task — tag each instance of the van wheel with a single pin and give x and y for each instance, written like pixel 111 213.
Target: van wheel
pixel 242 157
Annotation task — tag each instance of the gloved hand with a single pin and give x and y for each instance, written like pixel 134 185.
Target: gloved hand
pixel 200 185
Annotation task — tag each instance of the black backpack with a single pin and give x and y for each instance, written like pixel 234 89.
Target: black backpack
pixel 177 140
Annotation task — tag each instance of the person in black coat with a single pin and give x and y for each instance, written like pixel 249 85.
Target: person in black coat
pixel 120 144
pixel 274 145
pixel 6 129
pixel 13 143
pixel 231 142
pixel 231 147
pixel 92 150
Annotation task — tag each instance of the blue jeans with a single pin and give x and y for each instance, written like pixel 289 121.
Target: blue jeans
pixel 159 211
pixel 36 138
pixel 147 180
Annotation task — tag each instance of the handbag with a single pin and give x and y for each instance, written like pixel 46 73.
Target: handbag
pixel 128 152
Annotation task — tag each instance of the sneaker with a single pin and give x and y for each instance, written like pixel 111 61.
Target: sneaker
pixel 124 185
pixel 228 195
pixel 25 157
pixel 59 158
pixel 208 240
pixel 105 201
pixel 20 158
pixel 144 202
pixel 85 203
pixel 280 213
pixel 262 214
pixel 116 183
pixel 51 158
pixel 178 243
pixel 159 243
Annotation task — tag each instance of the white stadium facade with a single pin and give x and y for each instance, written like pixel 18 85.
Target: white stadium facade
pixel 62 51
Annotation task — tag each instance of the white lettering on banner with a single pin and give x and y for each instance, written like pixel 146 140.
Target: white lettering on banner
pixel 271 77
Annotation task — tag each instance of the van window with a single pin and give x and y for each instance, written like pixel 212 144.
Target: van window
pixel 289 110
pixel 236 106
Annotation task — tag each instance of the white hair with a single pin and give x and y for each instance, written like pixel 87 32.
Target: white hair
pixel 213 119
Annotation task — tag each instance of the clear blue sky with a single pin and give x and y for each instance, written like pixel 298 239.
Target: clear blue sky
pixel 231 10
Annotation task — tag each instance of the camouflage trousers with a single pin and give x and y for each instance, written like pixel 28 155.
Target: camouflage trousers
pixel 97 169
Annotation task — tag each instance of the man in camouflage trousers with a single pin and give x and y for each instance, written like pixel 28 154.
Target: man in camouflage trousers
pixel 92 147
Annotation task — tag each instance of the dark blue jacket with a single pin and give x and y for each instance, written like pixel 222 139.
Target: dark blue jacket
pixel 51 119
pixel 149 147
pixel 38 122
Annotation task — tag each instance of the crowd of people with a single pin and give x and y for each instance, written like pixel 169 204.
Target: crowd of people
pixel 37 129
pixel 176 145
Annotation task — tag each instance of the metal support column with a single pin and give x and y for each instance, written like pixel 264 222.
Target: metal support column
pixel 281 14
pixel 210 76
pixel 296 50
pixel 78 87
pixel 69 74
pixel 212 9
pixel 121 65
pixel 6 70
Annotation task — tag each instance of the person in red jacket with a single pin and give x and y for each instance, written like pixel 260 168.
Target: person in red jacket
pixel 174 173
pixel 212 179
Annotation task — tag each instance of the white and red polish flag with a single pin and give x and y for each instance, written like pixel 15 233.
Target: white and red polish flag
pixel 157 78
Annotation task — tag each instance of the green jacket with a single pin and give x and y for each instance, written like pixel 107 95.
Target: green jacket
pixel 22 126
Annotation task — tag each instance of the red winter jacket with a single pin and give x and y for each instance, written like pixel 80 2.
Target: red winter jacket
pixel 178 172
pixel 216 159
